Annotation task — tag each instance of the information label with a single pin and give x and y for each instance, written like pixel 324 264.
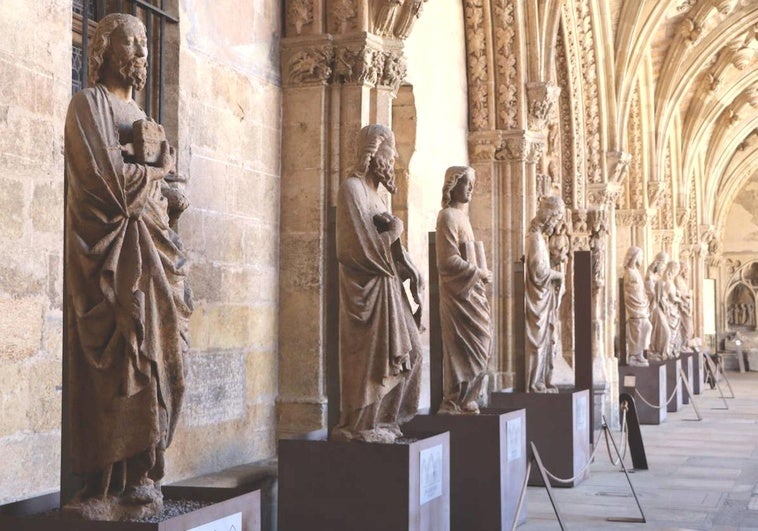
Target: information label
pixel 582 413
pixel 514 436
pixel 430 474
pixel 233 522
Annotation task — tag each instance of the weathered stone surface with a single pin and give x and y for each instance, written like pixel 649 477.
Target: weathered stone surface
pixel 216 388
pixel 31 464
pixel 21 321
pixel 12 205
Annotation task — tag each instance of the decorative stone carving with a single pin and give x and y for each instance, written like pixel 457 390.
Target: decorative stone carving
pixel 385 12
pixel 311 65
pixel 505 28
pixel 618 165
pixel 464 309
pixel 655 193
pixel 342 12
pixel 604 193
pixel 380 349
pixel 636 304
pixel 394 71
pixel 685 303
pixel 483 145
pixel 299 14
pixel 598 222
pixel 633 218
pixel 542 99
pixel 660 339
pixel 673 305
pixel 520 146
pixel 361 64
pixel 543 286
pixel 478 66
pixel 590 91
pixel 411 11
pixel 128 303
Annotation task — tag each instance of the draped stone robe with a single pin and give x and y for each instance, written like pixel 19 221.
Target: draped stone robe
pixel 464 309
pixel 127 303
pixel 636 305
pixel 379 341
pixel 541 309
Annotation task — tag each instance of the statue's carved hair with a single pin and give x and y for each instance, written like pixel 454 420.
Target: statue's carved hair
pixel 102 39
pixel 632 254
pixel 452 176
pixel 550 206
pixel 369 139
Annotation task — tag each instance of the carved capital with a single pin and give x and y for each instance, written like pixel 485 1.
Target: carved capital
pixel 542 99
pixel 521 146
pixel 307 61
pixel 634 217
pixel 603 193
pixel 482 145
pixel 664 239
pixel 618 165
pixel 370 60
pixel 393 70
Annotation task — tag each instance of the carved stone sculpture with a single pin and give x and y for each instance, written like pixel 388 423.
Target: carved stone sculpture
pixel 543 286
pixel 637 306
pixel 127 304
pixel 660 338
pixel 685 304
pixel 464 309
pixel 673 303
pixel 380 351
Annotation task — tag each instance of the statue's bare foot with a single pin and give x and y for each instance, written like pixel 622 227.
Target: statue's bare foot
pixel 143 494
pixel 393 428
pixel 448 407
pixel 538 388
pixel 472 408
pixel 377 435
pixel 638 361
pixel 551 389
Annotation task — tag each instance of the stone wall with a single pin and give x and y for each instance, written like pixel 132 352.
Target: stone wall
pixel 223 110
pixel 228 133
pixel 35 84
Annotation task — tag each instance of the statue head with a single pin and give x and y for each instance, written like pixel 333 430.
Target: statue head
pixel 119 45
pixel 376 155
pixel 672 270
pixel 684 270
pixel 550 212
pixel 659 262
pixel 633 257
pixel 459 183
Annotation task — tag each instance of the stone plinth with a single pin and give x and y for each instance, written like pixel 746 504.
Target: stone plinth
pixel 487 462
pixel 227 510
pixel 349 486
pixel 559 425
pixel 688 367
pixel 650 382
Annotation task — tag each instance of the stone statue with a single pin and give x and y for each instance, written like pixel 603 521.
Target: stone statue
pixel 685 304
pixel 464 309
pixel 542 291
pixel 128 303
pixel 637 308
pixel 660 338
pixel 380 350
pixel 673 303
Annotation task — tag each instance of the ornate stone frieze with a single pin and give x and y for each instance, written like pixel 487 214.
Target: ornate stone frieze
pixel 636 182
pixel 572 169
pixel 506 64
pixel 542 98
pixel 590 91
pixel 358 64
pixel 307 64
pixel 343 15
pixel 299 14
pixel 478 66
pixel 664 239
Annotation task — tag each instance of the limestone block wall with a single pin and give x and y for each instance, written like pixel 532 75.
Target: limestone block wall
pixel 35 81
pixel 229 129
pixel 223 112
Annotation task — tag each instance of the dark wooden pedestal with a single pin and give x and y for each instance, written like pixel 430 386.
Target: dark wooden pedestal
pixel 351 486
pixel 687 367
pixel 229 511
pixel 558 424
pixel 651 384
pixel 698 374
pixel 487 462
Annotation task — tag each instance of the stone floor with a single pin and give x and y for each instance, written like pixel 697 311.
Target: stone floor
pixel 702 475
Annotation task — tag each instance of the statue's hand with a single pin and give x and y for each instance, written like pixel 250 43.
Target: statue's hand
pixel 484 275
pixel 166 161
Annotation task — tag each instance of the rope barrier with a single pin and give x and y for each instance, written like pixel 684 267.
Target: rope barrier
pixel 673 394
pixel 578 474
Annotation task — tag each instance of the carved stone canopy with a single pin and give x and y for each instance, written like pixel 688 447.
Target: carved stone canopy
pixel 542 98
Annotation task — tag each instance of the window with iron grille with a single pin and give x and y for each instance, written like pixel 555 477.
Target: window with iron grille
pixel 156 16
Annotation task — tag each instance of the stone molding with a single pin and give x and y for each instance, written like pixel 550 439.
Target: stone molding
pixel 604 194
pixel 635 217
pixel 512 146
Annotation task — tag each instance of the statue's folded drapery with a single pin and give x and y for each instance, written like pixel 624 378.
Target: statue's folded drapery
pixel 464 309
pixel 127 303
pixel 379 342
